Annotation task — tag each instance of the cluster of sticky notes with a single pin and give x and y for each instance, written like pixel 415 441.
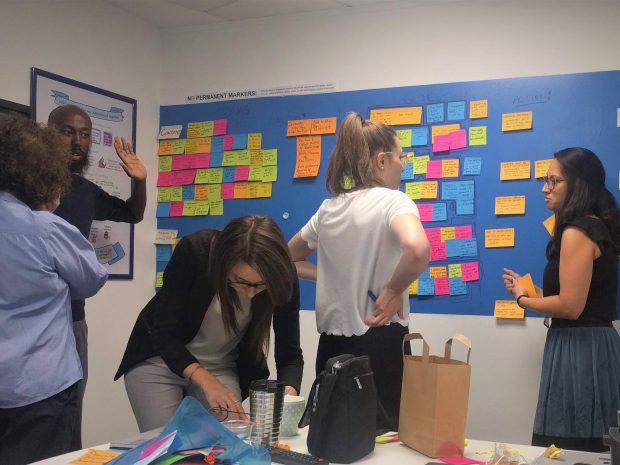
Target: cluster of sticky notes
pixel 432 211
pixel 308 133
pixel 445 280
pixel 165 241
pixel 451 241
pixel 198 173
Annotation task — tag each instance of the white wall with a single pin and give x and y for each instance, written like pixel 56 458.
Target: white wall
pixel 94 43
pixel 399 45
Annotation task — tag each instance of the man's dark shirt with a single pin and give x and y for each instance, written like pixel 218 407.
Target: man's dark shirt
pixel 83 203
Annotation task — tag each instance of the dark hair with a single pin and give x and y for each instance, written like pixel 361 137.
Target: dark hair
pixel 586 195
pixel 350 164
pixel 257 241
pixel 34 161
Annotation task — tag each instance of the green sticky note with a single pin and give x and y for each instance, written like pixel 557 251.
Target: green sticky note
pixel 270 174
pixel 270 157
pixel 176 194
pixel 216 207
pixel 165 163
pixel 202 208
pixel 256 173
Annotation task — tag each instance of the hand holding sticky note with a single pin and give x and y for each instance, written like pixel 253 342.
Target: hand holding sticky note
pixel 526 283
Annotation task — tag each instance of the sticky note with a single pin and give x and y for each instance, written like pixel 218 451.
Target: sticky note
pixel 450 168
pixel 202 208
pixel 323 126
pixel 200 129
pixel 176 209
pixel 215 191
pixel 201 192
pixel 170 132
pixel 438 251
pixel 426 211
pixel 163 252
pixel 299 127
pixel 96 456
pixel 397 116
pixel 456 111
pixel 171 147
pixel 256 157
pixel 163 210
pixel 404 137
pixel 241 190
pixel 470 272
pixel 264 189
pixel 216 207
pixel 433 234
pixel 189 208
pixel 441 143
pixel 413 288
pixel 270 157
pixel 437 271
pixel 478 109
pixel 270 174
pixel 442 286
pixel 447 233
pixel 472 166
pixel 549 224
pixel 502 237
pixel 440 212
pixel 217 158
pixel 526 283
pixel 463 231
pixel 510 205
pixel 419 136
pixel 454 270
pixel 164 178
pixel 220 126
pixel 176 193
pixel 541 167
pixel 407 173
pixel 455 190
pixel 217 144
pixel 457 286
pixel 227 191
pixel 181 162
pixel 508 309
pixel 510 170
pixel 419 164
pixel 426 286
pixel 255 173
pixel 228 174
pixel 199 145
pixel 478 135
pixel 458 139
pixel 163 194
pixel 516 121
pixel 241 173
pixel 159 282
pixel 308 156
pixel 180 178
pixel 443 129
pixel 464 206
pixel 240 141
pixel 434 169
pixel 165 163
pixel 435 113
pixel 187 192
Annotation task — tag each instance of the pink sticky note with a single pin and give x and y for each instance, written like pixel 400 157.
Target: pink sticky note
pixel 181 162
pixel 181 178
pixel 442 285
pixel 426 211
pixel 469 271
pixel 463 232
pixel 219 127
pixel 433 169
pixel 438 252
pixel 458 139
pixel 442 143
pixel 176 208
pixel 227 191
pixel 433 234
pixel 201 160
pixel 164 178
pixel 461 461
pixel 242 173
pixel 229 140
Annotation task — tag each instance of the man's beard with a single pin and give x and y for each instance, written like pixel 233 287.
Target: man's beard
pixel 79 165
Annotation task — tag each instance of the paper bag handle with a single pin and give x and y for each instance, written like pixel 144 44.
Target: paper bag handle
pixel 412 336
pixel 463 340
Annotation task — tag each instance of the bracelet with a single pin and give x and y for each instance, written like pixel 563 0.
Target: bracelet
pixel 519 299
pixel 192 373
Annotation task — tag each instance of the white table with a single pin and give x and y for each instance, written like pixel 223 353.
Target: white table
pixel 397 453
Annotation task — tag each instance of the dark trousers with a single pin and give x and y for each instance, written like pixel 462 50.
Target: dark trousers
pixel 38 431
pixel 80 331
pixel 384 346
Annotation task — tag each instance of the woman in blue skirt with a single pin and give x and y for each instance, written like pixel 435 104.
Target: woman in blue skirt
pixel 579 393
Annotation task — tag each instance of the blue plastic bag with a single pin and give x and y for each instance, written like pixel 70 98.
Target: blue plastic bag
pixel 192 427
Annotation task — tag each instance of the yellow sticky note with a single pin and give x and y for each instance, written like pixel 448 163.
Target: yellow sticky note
pixel 176 194
pixel 526 283
pixel 255 140
pixel 96 456
pixel 216 207
pixel 189 208
pixel 241 190
pixel 450 168
pixel 419 164
pixel 256 157
pixel 397 116
pixel 510 205
pixel 443 129
pixel 270 157
pixel 264 190
pixel 413 288
pixel 478 135
pixel 404 137
pixel 165 163
pixel 503 237
pixel 510 170
pixel 200 129
pixel 508 309
pixel 171 147
pixel 323 126
pixel 159 280
pixel 256 173
pixel 215 191
pixel 230 158
pixel 447 233
pixel 454 270
pixel 413 190
pixel 478 109
pixel 516 121
pixel 549 224
pixel 199 145
pixel 541 167
pixel 253 190
pixel 428 189
pixel 202 176
pixel 163 194
pixel 214 175
pixel 270 174
pixel 243 157
pixel 437 271
pixel 202 208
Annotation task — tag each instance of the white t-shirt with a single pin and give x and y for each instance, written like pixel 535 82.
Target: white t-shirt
pixel 357 251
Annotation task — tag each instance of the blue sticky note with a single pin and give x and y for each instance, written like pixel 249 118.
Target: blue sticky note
pixel 434 113
pixel 228 173
pixel 216 158
pixel 163 252
pixel 464 206
pixel 163 210
pixel 457 190
pixel 456 111
pixel 188 192
pixel 240 141
pixel 469 247
pixel 472 166
pixel 419 136
pixel 453 248
pixel 217 144
pixel 440 212
pixel 407 174
pixel 426 274
pixel 160 266
pixel 426 286
pixel 457 286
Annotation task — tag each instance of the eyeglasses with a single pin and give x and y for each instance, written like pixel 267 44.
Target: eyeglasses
pixel 221 413
pixel 551 181
pixel 402 156
pixel 245 286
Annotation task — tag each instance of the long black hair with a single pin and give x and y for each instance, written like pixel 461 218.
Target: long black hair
pixel 586 195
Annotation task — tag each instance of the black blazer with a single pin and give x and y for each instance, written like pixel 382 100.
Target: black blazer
pixel 174 315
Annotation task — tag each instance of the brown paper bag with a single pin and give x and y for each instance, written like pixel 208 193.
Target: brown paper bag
pixel 433 404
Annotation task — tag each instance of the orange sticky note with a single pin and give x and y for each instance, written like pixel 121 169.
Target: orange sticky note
pixel 478 109
pixel 255 139
pixel 96 456
pixel 323 126
pixel 549 224
pixel 397 116
pixel 443 129
pixel 503 237
pixel 508 309
pixel 308 156
pixel 510 205
pixel 298 127
pixel 428 189
pixel 510 170
pixel 516 121
pixel 450 168
pixel 437 271
pixel 199 145
pixel 526 283
pixel 541 167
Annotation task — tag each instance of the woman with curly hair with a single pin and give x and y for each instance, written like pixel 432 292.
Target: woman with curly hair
pixel 45 263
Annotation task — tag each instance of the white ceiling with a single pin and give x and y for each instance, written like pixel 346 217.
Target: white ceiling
pixel 167 14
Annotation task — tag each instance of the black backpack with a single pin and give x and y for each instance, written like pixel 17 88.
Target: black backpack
pixel 341 410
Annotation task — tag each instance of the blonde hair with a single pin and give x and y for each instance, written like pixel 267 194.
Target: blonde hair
pixel 350 164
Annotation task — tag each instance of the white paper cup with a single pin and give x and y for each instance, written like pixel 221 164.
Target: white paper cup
pixel 292 411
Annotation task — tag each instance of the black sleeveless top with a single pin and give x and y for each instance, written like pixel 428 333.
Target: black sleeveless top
pixel 600 308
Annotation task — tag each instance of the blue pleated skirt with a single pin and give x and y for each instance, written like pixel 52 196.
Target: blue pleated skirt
pixel 579 394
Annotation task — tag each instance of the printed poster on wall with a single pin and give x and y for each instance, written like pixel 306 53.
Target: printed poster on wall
pixel 112 115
